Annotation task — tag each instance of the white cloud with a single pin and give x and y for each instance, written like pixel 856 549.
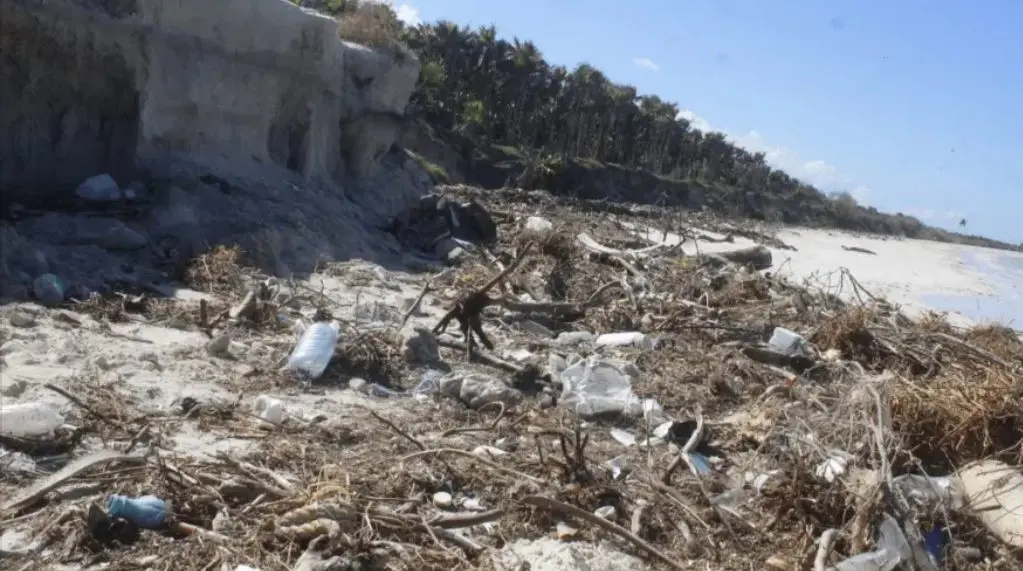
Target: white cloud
pixel 861 194
pixel 646 63
pixel 821 174
pixel 695 120
pixel 408 14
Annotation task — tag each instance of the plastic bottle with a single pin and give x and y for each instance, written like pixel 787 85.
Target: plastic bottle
pixel 30 419
pixel 892 550
pixel 626 338
pixel 314 349
pixel 147 512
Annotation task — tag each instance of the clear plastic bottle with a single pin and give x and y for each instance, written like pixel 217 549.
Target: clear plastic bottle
pixel 30 419
pixel 314 349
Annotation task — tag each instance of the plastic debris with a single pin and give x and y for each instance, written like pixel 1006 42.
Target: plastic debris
pixel 789 342
pixel 314 349
pixel 147 512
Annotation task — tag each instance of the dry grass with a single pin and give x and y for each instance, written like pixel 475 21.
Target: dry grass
pixel 219 270
pixel 372 24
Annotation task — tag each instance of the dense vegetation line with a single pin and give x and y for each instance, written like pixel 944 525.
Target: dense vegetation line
pixel 504 93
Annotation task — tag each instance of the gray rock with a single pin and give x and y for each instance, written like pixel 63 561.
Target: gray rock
pixel 121 237
pixel 219 346
pixel 420 346
pixel 101 187
pixel 49 289
pixel 21 320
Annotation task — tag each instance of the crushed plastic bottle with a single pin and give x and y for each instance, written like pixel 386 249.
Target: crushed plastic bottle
pixel 30 419
pixel 429 384
pixel 892 549
pixel 594 387
pixel 314 349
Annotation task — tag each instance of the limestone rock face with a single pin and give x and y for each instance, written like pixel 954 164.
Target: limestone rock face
pixel 96 86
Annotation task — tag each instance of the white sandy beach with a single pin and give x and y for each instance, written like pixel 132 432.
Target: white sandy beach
pixel 972 284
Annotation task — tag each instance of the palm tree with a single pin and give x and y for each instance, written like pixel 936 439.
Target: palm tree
pixel 511 96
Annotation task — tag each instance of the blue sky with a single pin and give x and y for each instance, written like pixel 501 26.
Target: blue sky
pixel 913 106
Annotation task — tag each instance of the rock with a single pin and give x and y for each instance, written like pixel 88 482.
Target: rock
pixel 21 320
pixel 121 237
pixel 101 188
pixel 219 346
pixel 48 289
pixel 13 389
pixel 420 346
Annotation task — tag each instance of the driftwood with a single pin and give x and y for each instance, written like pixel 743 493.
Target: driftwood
pixel 467 309
pixel 757 256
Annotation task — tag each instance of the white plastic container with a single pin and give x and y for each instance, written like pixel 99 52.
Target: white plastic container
pixel 789 342
pixel 314 349
pixel 269 409
pixel 31 419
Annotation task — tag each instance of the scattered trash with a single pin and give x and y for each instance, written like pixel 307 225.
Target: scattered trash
pixel 892 550
pixel 147 512
pixel 443 500
pixel 314 350
pixel 623 436
pixel 597 387
pixel 789 343
pixel 628 338
pixel 994 494
pixel 834 467
pixel 269 409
